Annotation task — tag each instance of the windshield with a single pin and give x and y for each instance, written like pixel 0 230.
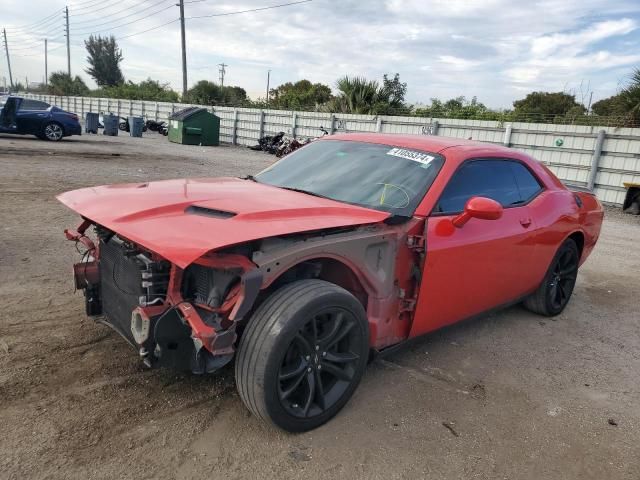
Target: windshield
pixel 383 177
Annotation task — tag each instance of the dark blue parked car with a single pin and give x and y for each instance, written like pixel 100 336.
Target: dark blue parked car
pixel 25 116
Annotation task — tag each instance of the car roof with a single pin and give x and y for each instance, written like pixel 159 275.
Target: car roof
pixel 429 143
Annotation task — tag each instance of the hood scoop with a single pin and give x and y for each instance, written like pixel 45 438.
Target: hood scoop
pixel 208 212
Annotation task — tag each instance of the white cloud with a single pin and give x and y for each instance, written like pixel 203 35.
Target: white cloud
pixel 457 63
pixel 578 41
pixel 495 49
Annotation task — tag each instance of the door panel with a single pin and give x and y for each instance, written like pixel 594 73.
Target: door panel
pixel 472 269
pixel 32 114
pixel 8 119
pixel 30 121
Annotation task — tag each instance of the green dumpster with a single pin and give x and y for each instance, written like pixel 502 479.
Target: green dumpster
pixel 194 126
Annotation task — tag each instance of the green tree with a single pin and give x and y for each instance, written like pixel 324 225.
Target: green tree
pixel 104 59
pixel 459 107
pixel 302 95
pixel 148 89
pixel 608 107
pixel 208 93
pixel 61 83
pixel 395 89
pixel 359 95
pixel 631 96
pixel 546 107
pixel 625 105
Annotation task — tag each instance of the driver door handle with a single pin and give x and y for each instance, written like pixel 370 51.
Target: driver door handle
pixel 525 222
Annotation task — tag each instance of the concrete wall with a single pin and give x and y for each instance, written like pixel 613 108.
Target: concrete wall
pixel 568 150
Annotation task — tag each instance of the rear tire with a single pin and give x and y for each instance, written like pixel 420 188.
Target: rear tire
pixel 302 355
pixel 52 131
pixel 553 294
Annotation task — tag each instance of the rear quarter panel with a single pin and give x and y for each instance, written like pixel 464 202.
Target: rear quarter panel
pixel 557 216
pixel 590 217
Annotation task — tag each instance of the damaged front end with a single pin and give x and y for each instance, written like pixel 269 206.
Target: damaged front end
pixel 174 317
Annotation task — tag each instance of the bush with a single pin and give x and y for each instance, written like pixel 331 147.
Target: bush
pixel 151 90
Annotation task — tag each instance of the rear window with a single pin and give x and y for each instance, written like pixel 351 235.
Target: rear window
pixel 527 183
pixel 508 182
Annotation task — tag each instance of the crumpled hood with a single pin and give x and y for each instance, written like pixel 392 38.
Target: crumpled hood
pixel 181 220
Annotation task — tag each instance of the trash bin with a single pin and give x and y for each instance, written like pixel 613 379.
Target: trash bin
pixel 136 125
pixel 110 125
pixel 194 126
pixel 91 122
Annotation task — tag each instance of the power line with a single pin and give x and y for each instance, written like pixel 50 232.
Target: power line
pixel 39 53
pixel 80 4
pixel 92 8
pixel 75 23
pixel 36 30
pixel 93 11
pixel 124 37
pixel 249 10
pixel 127 23
pixel 47 28
pixel 35 44
pixel 35 24
pixel 148 30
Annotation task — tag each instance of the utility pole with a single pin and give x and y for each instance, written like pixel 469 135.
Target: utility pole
pixel 268 78
pixel 184 50
pixel 66 14
pixel 6 49
pixel 222 72
pixel 46 65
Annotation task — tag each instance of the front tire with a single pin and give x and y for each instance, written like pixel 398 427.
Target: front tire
pixel 52 132
pixel 302 355
pixel 553 294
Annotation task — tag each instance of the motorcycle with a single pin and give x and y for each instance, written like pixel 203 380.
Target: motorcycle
pixel 124 125
pixel 269 143
pixel 157 126
pixel 281 145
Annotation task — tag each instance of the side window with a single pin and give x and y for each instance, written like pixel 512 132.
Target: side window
pixel 484 178
pixel 528 185
pixel 28 104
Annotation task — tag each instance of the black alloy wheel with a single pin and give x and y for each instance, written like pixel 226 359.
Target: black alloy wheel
pixel 302 354
pixel 320 363
pixel 553 294
pixel 563 278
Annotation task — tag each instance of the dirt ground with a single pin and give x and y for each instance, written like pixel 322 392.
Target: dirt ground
pixel 512 395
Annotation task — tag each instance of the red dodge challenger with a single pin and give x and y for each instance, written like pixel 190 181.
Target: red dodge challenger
pixel 347 247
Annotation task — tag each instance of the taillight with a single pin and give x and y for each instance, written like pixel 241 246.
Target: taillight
pixel 73 115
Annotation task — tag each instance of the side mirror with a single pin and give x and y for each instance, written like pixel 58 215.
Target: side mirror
pixel 478 207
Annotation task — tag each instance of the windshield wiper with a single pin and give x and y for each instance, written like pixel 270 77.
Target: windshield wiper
pixel 396 219
pixel 301 190
pixel 251 178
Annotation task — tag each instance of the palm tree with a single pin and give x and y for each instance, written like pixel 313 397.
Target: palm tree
pixel 362 96
pixel 631 95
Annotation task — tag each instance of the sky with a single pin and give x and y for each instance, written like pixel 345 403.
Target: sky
pixel 497 50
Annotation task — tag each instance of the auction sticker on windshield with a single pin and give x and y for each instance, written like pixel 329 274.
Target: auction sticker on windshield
pixel 420 157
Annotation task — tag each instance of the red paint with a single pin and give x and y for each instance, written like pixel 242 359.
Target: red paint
pixel 153 214
pixel 474 261
pixel 481 208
